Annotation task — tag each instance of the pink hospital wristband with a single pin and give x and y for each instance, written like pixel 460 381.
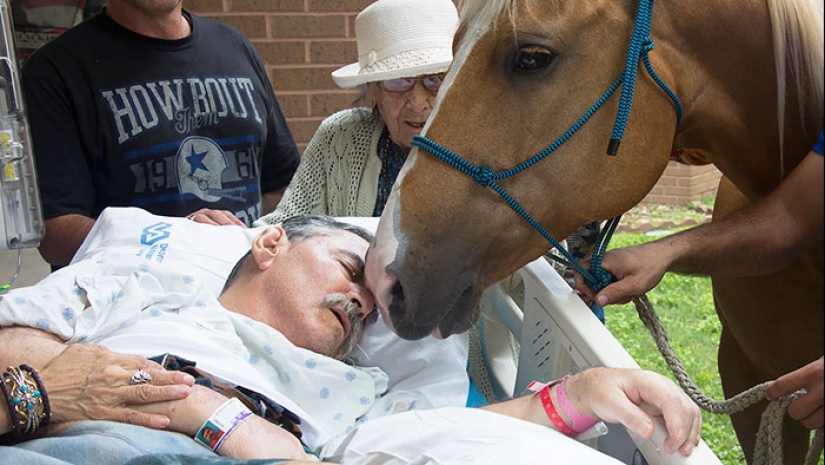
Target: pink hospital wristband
pixel 572 423
pixel 578 422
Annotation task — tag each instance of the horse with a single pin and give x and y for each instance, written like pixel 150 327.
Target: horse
pixel 530 138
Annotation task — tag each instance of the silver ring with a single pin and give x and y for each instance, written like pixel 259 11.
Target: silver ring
pixel 191 217
pixel 140 377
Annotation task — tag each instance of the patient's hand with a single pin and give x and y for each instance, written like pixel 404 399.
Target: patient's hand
pixel 631 397
pixel 91 383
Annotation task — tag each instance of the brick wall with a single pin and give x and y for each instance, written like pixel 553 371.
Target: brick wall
pixel 680 184
pixel 303 41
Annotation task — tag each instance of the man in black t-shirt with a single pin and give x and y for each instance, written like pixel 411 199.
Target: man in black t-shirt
pixel 147 105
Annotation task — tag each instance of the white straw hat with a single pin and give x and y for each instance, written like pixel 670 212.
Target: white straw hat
pixel 401 38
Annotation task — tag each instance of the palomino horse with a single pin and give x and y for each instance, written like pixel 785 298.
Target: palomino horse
pixel 536 77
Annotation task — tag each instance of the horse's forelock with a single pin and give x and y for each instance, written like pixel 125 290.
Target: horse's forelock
pixel 483 13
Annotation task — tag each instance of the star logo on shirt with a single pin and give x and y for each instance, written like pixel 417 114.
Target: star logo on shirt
pixel 195 160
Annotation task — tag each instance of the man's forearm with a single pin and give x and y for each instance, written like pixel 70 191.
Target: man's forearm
pixel 254 437
pixel 34 347
pixel 64 234
pixel 762 237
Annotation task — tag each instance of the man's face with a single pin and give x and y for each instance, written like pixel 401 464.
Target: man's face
pixel 316 291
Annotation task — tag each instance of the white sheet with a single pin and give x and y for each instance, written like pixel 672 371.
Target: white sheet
pixel 453 436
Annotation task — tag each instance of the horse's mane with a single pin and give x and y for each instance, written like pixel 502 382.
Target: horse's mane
pixel 798 49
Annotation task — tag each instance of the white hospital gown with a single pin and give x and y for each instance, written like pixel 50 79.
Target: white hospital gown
pixel 130 297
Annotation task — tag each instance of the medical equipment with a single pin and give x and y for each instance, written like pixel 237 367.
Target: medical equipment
pixel 21 217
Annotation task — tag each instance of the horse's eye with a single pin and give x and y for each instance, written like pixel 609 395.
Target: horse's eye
pixel 532 58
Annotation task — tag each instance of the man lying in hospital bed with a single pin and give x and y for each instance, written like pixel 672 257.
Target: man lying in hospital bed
pixel 143 301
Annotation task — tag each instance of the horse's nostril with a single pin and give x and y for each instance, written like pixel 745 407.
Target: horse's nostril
pixel 397 291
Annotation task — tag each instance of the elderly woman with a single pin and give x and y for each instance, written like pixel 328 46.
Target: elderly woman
pixel 352 161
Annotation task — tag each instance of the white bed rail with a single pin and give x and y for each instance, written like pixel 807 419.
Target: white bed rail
pixel 557 334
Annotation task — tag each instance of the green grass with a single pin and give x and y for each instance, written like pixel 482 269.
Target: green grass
pixel 685 307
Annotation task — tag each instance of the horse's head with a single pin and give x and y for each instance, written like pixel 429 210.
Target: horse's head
pixel 523 75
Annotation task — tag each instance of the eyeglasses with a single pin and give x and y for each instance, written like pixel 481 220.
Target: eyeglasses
pixel 432 83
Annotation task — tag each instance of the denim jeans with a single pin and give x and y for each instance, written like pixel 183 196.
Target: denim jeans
pixel 100 442
pixel 110 443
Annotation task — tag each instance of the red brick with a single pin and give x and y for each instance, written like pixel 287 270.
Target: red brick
pixel 302 26
pixel 258 6
pixel 253 27
pixel 333 52
pixel 327 103
pixel 352 6
pixel 293 105
pixel 296 79
pixel 203 6
pixel 282 52
pixel 303 128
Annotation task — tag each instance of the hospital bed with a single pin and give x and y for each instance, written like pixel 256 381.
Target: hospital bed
pixel 534 327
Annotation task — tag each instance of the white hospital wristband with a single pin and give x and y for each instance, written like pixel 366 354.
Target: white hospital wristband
pixel 223 421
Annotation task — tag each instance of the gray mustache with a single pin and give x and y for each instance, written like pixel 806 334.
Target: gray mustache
pixel 351 310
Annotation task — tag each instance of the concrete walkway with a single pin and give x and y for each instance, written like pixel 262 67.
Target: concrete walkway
pixel 32 268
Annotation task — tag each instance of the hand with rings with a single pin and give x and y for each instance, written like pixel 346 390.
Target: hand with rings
pixel 140 377
pixel 215 217
pixel 89 382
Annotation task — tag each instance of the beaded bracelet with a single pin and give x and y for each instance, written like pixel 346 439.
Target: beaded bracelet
pixel 26 399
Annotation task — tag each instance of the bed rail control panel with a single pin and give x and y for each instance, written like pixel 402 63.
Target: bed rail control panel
pixel 21 217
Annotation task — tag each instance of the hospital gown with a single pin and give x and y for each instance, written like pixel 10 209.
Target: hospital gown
pixel 132 308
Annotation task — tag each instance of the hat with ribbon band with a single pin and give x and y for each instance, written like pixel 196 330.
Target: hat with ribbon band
pixel 399 39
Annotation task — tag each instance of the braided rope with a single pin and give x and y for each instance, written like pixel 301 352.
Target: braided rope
pixel 768 448
pixel 641 31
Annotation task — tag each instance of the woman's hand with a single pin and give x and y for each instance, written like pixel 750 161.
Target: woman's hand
pixel 215 217
pixel 87 382
pixel 632 398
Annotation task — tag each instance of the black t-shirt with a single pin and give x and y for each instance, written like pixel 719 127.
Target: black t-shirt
pixel 120 119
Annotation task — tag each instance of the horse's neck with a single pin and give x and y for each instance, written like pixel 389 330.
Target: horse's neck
pixel 719 56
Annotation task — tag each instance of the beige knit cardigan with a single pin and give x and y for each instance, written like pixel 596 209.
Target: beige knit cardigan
pixel 339 170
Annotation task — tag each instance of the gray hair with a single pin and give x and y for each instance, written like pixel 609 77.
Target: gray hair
pixel 300 228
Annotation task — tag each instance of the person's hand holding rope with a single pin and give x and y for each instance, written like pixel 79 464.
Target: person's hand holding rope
pixel 807 409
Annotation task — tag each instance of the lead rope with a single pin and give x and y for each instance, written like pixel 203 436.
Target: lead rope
pixel 768 448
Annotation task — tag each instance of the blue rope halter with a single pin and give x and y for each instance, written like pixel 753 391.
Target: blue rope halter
pixel 640 46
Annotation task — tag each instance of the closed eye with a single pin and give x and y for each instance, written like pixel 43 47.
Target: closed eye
pixel 354 265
